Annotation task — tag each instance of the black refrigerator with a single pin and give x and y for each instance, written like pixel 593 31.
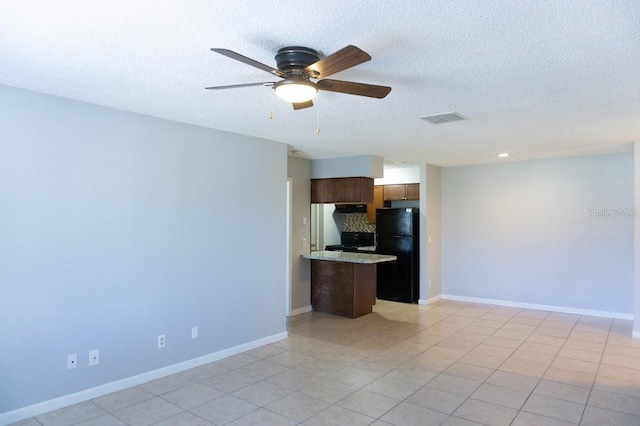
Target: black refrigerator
pixel 397 232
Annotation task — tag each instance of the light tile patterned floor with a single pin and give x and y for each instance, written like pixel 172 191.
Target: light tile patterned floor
pixel 448 363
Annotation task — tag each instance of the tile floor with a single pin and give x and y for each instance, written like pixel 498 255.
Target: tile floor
pixel 449 363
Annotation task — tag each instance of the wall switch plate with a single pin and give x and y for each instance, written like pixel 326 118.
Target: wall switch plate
pixel 94 357
pixel 72 361
pixel 161 341
pixel 194 332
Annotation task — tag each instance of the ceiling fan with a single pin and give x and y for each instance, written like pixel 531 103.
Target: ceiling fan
pixel 297 66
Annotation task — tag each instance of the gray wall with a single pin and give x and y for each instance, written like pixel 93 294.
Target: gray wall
pixel 298 170
pixel 636 179
pixel 117 227
pixel 529 232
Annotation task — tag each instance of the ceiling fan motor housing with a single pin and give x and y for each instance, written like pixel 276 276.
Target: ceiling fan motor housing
pixel 295 57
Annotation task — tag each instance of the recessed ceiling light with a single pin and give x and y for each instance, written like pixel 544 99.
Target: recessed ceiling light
pixel 503 155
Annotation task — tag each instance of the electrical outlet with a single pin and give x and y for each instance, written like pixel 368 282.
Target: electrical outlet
pixel 304 242
pixel 194 332
pixel 161 341
pixel 72 361
pixel 429 283
pixel 94 357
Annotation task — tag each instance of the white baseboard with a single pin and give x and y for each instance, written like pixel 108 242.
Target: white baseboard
pixel 118 385
pixel 562 309
pixel 299 311
pixel 430 300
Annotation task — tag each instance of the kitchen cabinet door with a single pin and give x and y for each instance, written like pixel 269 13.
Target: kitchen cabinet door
pixel 378 203
pixel 412 191
pixel 394 192
pixel 404 191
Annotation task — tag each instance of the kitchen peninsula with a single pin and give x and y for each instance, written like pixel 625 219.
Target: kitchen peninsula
pixel 344 283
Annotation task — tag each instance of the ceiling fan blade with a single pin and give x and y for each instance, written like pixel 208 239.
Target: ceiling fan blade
pixel 351 88
pixel 302 105
pixel 235 86
pixel 238 57
pixel 344 58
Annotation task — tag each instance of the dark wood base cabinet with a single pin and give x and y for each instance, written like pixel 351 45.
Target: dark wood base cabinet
pixel 344 289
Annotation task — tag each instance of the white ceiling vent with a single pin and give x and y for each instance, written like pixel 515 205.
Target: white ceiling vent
pixel 446 117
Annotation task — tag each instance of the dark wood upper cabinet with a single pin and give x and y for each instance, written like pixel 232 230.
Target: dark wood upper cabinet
pixel 342 190
pixel 408 191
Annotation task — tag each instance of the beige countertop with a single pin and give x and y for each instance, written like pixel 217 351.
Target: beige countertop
pixel 340 256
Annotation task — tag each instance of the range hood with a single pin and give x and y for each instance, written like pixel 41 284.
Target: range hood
pixel 351 208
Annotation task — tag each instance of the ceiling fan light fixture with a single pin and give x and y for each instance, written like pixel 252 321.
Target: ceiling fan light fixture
pixel 295 90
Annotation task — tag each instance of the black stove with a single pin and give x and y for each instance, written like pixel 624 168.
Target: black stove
pixel 351 241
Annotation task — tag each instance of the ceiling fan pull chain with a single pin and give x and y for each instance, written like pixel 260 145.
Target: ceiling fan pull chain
pixel 271 107
pixel 317 120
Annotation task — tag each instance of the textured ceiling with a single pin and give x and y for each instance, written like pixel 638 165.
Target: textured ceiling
pixel 537 79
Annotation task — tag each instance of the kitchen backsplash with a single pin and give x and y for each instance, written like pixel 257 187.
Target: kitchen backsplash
pixel 357 222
